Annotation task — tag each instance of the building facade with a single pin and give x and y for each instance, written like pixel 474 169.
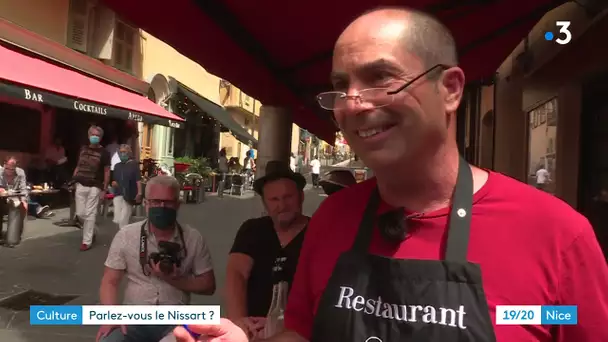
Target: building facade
pixel 548 110
pixel 67 64
pixel 246 111
pixel 160 64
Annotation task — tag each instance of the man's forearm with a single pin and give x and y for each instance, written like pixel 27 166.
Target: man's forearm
pixel 106 179
pixel 108 294
pixel 236 297
pixel 191 284
pixel 139 188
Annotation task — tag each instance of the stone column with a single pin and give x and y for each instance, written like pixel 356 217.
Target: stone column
pixel 274 140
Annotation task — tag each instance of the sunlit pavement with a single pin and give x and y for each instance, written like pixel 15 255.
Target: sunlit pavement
pixel 48 261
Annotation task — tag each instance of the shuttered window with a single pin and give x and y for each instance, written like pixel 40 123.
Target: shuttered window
pixel 78 25
pixel 124 41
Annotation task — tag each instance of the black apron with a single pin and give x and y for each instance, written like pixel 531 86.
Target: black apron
pixel 371 298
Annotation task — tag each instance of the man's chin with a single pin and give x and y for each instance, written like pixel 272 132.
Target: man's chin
pixel 383 158
pixel 287 221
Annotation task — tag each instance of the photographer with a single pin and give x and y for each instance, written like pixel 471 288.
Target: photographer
pixel 171 262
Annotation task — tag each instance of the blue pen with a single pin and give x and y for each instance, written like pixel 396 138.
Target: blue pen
pixel 192 333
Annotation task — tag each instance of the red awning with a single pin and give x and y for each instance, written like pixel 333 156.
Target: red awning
pixel 280 52
pixel 34 79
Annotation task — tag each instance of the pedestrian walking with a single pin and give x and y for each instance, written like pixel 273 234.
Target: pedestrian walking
pixel 92 178
pixel 315 171
pixel 126 186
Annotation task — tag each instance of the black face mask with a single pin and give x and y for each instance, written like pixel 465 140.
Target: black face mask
pixel 393 225
pixel 162 218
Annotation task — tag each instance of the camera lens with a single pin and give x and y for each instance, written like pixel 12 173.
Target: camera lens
pixel 166 266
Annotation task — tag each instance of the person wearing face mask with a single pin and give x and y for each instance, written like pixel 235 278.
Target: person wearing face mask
pixel 126 186
pixel 92 178
pixel 266 245
pixel 132 256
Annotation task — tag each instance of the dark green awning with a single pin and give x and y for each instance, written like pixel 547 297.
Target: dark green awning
pixel 217 112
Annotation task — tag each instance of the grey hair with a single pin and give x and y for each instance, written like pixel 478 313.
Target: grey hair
pixel 168 181
pixel 128 148
pixel 96 128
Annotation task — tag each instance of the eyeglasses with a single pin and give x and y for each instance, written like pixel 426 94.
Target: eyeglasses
pixel 379 97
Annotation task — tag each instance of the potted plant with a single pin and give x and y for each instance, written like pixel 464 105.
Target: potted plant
pixel 200 166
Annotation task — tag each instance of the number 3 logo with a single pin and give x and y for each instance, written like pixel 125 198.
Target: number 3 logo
pixel 563 29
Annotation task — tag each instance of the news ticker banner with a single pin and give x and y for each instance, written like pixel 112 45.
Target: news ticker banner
pixel 124 314
pixel 210 314
pixel 536 315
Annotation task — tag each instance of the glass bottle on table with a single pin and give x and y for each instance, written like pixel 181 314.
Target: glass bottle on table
pixel 280 289
pixel 275 318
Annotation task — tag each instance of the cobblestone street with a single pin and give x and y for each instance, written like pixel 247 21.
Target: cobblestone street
pixel 48 261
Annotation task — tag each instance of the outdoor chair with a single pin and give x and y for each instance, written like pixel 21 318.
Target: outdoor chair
pixel 237 184
pixel 194 183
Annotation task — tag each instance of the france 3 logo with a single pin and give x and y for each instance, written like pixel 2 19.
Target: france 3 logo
pixel 563 36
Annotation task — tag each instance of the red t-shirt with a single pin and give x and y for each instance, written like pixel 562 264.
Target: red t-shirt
pixel 533 249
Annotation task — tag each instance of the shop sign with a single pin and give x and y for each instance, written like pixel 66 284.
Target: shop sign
pixel 32 96
pixel 135 117
pixel 89 108
pixel 174 124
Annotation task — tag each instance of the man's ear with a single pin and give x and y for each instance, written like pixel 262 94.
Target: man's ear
pixel 452 83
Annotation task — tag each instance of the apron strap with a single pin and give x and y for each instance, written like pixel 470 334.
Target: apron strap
pixel 459 229
pixel 368 222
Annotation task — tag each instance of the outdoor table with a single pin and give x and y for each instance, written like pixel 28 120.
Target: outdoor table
pixel 16 219
pixel 9 194
pixel 44 192
pixel 71 220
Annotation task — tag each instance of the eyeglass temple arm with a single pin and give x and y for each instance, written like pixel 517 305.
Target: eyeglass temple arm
pixel 407 84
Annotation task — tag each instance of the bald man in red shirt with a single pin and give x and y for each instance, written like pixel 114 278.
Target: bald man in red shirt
pixel 429 248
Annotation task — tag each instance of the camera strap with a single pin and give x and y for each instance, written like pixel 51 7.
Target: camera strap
pixel 143 246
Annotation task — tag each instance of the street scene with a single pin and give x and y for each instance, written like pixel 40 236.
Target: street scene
pixel 47 262
pixel 323 171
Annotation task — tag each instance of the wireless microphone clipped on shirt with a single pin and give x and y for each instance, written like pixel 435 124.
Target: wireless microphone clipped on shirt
pixel 393 225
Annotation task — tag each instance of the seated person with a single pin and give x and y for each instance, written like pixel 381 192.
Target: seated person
pixel 266 248
pixel 336 180
pixel 12 179
pixel 38 210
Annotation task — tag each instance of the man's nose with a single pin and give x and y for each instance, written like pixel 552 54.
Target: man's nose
pixel 281 204
pixel 353 102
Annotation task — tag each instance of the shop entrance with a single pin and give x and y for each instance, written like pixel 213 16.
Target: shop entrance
pixel 593 174
pixel 72 128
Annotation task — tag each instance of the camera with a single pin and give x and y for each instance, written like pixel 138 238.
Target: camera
pixel 168 256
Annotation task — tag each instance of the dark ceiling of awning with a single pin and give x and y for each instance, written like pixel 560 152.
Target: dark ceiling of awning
pixel 280 51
